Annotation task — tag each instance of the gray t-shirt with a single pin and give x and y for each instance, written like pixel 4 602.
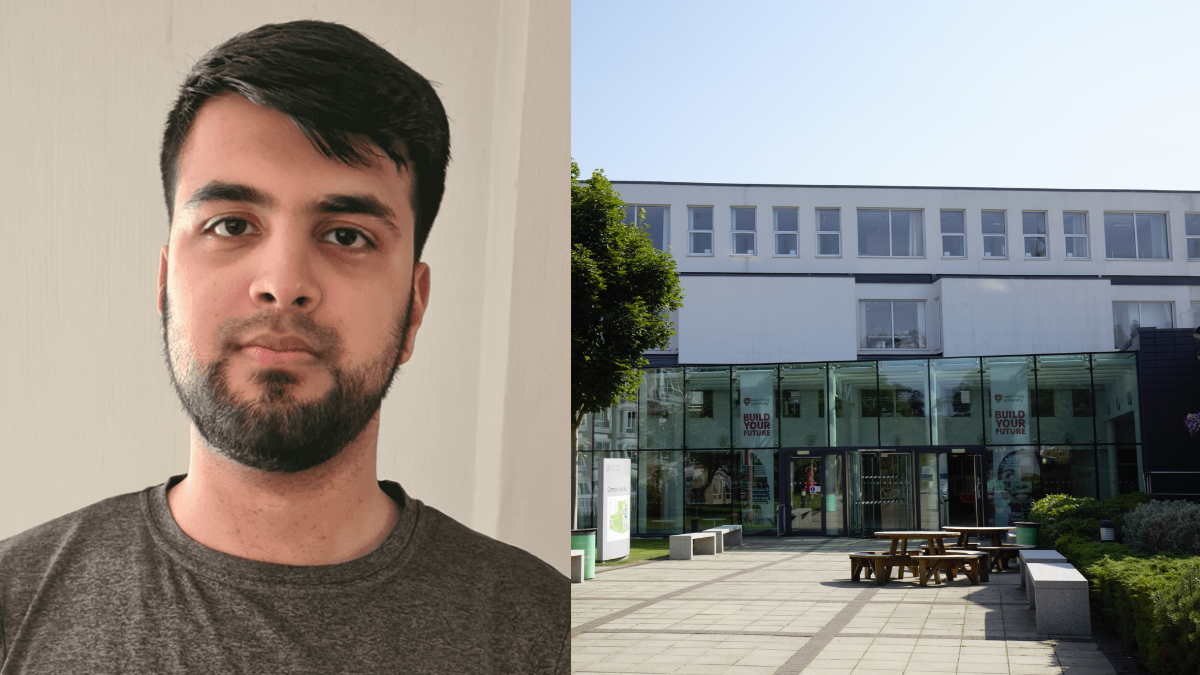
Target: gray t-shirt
pixel 117 587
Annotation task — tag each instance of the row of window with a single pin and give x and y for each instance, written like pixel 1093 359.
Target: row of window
pixel 900 233
pixel 900 324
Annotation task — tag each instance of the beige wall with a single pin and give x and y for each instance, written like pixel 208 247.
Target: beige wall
pixel 476 423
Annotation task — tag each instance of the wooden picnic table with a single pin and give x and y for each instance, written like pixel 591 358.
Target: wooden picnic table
pixel 964 532
pixel 902 537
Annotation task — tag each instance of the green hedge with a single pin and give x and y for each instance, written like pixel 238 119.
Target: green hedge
pixel 1152 602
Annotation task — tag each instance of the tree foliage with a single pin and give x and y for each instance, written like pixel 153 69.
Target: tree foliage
pixel 622 290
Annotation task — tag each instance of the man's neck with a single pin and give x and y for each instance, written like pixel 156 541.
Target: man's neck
pixel 329 514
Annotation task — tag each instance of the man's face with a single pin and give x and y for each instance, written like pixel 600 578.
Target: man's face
pixel 288 289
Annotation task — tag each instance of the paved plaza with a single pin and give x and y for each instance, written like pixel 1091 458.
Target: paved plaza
pixel 788 606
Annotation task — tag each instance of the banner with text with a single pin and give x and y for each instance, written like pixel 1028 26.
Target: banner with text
pixel 1012 468
pixel 756 428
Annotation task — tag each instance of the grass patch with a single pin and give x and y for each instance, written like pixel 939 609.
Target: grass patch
pixel 642 549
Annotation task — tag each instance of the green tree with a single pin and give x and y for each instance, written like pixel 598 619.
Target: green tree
pixel 622 292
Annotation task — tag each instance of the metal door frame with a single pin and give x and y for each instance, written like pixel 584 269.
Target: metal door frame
pixel 783 467
pixel 974 451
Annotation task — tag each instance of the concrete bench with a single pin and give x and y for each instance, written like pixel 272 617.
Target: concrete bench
pixel 733 534
pixel 1036 555
pixel 719 537
pixel 700 543
pixel 577 556
pixel 1062 599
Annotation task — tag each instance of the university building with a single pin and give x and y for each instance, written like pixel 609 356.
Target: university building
pixel 859 358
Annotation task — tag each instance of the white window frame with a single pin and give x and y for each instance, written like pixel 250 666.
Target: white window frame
pixel 733 233
pixel 1135 214
pixel 1139 303
pixel 666 220
pixel 712 243
pixel 835 234
pixel 1087 246
pixel 1002 235
pixel 961 235
pixel 1189 237
pixel 892 350
pixel 889 212
pixel 795 233
pixel 1044 236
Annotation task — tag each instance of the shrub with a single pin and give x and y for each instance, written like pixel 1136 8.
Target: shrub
pixel 1169 527
pixel 1062 515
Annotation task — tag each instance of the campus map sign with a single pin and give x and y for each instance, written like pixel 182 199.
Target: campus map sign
pixel 615 511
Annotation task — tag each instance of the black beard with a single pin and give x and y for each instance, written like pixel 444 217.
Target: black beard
pixel 275 433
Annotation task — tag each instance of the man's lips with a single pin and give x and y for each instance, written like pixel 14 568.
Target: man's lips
pixel 274 349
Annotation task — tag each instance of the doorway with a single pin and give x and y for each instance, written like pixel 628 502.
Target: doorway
pixel 884 499
pixel 814 493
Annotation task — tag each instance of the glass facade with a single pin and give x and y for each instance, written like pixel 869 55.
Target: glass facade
pixel 902 443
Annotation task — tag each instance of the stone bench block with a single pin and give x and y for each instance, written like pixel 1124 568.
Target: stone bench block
pixel 1062 599
pixel 1037 555
pixel 719 537
pixel 577 556
pixel 684 545
pixel 733 534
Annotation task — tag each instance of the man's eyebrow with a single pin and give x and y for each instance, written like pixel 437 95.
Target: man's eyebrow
pixel 363 204
pixel 220 191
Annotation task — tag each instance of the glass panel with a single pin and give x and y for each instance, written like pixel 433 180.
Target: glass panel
pixel 834 487
pixel 1069 378
pixel 873 232
pixel 616 427
pixel 1007 381
pixel 829 220
pixel 1193 246
pixel 992 222
pixel 701 242
pixel 1116 398
pixel 1191 224
pixel 1152 235
pixel 875 317
pixel 1069 470
pixel 805 494
pixel 1195 314
pixel 659 500
pixel 661 408
pixel 583 490
pixel 743 219
pixel 952 222
pixel 1017 474
pixel 756 487
pixel 887 491
pixel 1035 247
pixel 1106 461
pixel 583 437
pixel 903 391
pixel 1119 468
pixel 1125 318
pixel 958 407
pixel 902 233
pixel 785 244
pixel 700 218
pixel 909 318
pixel 1033 222
pixel 1077 247
pixel 743 243
pixel 1157 315
pixel 1118 235
pixel 854 511
pixel 1074 223
pixel 754 410
pixel 654 220
pixel 995 247
pixel 829 244
pixel 953 247
pixel 708 476
pixel 786 220
pixel 803 421
pixel 852 404
pixel 707 400
pixel 933 488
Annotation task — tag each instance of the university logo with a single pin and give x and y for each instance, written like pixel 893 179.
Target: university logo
pixel 746 401
pixel 999 396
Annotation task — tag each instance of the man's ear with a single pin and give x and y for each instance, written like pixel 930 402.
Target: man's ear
pixel 420 302
pixel 162 278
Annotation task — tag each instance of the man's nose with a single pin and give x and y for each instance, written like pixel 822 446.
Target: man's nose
pixel 286 278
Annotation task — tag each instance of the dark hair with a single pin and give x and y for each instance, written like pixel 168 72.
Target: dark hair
pixel 340 89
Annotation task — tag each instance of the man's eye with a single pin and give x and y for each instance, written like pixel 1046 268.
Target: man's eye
pixel 348 237
pixel 228 227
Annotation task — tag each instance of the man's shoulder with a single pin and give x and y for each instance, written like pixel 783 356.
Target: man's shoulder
pixel 103 521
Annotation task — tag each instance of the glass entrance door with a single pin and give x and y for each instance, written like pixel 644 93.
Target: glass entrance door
pixel 806 496
pixel 885 496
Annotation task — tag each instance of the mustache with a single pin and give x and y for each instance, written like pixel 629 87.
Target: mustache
pixel 233 333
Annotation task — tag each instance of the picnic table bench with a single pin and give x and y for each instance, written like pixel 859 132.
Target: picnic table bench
pixel 999 552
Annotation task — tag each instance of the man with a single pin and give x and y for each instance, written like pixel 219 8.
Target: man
pixel 303 167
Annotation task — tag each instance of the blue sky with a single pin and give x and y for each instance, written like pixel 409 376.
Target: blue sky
pixel 1012 94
